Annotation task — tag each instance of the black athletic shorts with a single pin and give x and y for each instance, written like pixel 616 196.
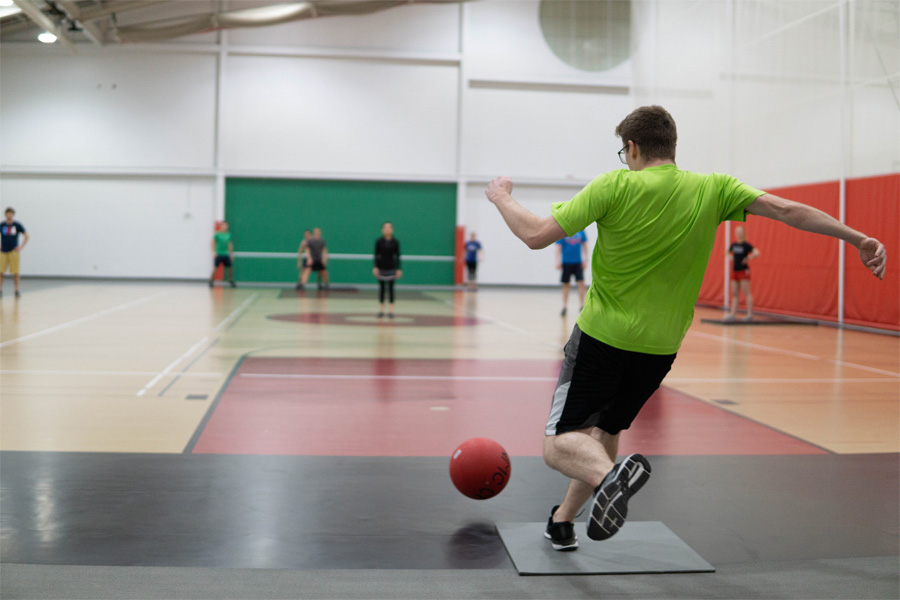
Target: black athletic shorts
pixel 317 266
pixel 222 259
pixel 471 266
pixel 602 386
pixel 570 269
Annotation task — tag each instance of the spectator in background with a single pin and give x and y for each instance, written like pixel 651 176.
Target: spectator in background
pixel 223 249
pixel 317 260
pixel 741 252
pixel 387 267
pixel 302 257
pixel 10 248
pixel 571 258
pixel 473 255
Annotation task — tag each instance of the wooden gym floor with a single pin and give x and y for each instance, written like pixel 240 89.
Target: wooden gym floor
pixel 170 425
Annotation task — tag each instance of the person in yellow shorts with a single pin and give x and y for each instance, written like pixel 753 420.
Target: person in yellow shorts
pixel 10 230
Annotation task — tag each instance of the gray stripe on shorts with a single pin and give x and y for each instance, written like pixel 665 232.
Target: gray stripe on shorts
pixel 564 382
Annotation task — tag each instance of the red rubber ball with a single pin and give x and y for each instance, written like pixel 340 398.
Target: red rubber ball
pixel 480 468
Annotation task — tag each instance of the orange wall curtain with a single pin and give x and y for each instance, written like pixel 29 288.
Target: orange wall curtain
pixel 873 207
pixel 797 273
pixel 713 291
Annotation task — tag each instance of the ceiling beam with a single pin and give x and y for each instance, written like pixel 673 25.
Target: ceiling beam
pixel 90 29
pixel 90 14
pixel 44 22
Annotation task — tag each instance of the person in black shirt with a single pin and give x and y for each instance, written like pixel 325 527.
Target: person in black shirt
pixel 741 252
pixel 387 267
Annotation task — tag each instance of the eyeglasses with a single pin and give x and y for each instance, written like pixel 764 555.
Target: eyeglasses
pixel 621 154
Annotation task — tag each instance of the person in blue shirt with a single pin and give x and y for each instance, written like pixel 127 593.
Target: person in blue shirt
pixel 473 255
pixel 571 258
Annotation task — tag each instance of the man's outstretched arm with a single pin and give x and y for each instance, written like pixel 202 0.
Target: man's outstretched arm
pixel 807 218
pixel 537 232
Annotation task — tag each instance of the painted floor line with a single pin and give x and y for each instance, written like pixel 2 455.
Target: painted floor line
pixel 236 312
pixel 842 363
pixel 98 373
pixel 174 364
pixel 775 380
pixel 393 377
pixel 199 344
pixel 495 378
pixel 719 338
pixel 75 322
pixel 863 367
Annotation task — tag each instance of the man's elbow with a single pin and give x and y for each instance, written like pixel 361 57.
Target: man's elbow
pixel 536 242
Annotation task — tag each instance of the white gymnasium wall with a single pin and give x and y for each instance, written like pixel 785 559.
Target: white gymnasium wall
pixel 120 109
pixel 114 226
pixel 327 115
pixel 428 92
pixel 507 260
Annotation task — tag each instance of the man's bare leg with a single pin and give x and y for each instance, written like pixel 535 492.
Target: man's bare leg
pixel 748 297
pixel 735 289
pixel 581 292
pixel 580 492
pixel 565 292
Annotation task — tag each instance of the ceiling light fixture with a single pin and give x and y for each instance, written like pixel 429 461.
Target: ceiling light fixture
pixel 47 38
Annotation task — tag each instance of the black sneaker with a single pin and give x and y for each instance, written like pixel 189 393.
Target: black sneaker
pixel 233 284
pixel 561 535
pixel 562 313
pixel 610 502
pixel 18 294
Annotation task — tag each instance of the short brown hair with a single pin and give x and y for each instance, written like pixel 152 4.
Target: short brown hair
pixel 652 128
pixel 9 209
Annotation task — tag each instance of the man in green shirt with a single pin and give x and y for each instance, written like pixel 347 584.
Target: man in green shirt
pixel 224 253
pixel 656 225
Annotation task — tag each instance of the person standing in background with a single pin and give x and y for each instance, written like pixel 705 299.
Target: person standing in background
pixel 317 260
pixel 302 257
pixel 473 255
pixel 10 230
pixel 741 253
pixel 387 267
pixel 571 258
pixel 223 249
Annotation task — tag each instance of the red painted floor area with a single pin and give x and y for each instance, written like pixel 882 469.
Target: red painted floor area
pixel 384 407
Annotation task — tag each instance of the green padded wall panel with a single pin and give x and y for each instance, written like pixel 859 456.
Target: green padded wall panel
pixel 269 216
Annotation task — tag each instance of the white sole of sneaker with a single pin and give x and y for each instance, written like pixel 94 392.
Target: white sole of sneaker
pixel 561 547
pixel 612 500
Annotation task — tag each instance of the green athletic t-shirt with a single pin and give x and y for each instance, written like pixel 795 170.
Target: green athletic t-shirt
pixel 222 239
pixel 655 231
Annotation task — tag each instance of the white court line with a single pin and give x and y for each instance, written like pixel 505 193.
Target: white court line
pixel 863 367
pixel 792 353
pixel 98 373
pixel 174 364
pixel 96 315
pixel 710 336
pixel 502 324
pixel 194 348
pixel 394 377
pixel 774 380
pixel 493 378
pixel 235 312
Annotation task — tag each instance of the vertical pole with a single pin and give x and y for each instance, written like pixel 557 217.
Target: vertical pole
pixel 845 146
pixel 730 129
pixel 461 182
pixel 219 205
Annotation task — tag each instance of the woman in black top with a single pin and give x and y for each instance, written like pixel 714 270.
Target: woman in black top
pixel 387 267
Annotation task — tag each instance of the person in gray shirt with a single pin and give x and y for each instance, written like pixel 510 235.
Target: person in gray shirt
pixel 316 260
